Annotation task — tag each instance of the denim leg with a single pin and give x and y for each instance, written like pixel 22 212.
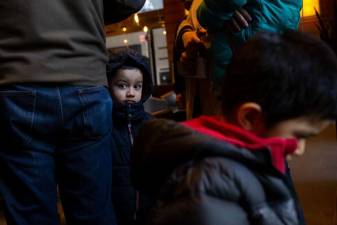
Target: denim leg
pixel 27 181
pixel 84 157
pixel 49 130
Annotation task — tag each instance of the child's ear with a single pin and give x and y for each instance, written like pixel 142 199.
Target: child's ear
pixel 250 117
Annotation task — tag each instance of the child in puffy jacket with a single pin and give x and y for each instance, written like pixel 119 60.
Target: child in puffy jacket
pixel 130 85
pixel 280 90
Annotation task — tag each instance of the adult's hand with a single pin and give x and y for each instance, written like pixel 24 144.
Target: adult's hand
pixel 240 20
pixel 193 46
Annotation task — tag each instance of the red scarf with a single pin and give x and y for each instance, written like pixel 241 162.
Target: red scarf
pixel 213 126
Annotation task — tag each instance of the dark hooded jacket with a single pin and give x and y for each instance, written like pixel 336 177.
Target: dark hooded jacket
pixel 130 205
pixel 210 180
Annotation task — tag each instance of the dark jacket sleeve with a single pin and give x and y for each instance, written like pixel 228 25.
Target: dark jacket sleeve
pixel 201 193
pixel 160 146
pixel 163 145
pixel 118 10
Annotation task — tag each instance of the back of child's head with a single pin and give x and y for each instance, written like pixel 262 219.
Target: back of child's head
pixel 130 59
pixel 290 75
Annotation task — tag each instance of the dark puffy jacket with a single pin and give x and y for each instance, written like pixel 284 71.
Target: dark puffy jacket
pixel 129 204
pixel 203 181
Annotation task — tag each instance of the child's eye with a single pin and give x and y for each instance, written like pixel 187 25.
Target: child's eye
pixel 122 86
pixel 138 86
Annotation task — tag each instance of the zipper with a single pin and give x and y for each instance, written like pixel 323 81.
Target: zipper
pixel 137 193
pixel 137 205
pixel 132 141
pixel 130 132
pixel 129 124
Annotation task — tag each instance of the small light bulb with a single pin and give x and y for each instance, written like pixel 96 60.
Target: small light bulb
pixel 125 41
pixel 164 32
pixel 145 29
pixel 124 29
pixel 136 18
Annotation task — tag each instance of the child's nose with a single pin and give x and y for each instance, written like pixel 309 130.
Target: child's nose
pixel 130 92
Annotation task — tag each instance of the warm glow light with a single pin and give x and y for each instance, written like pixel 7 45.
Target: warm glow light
pixel 309 7
pixel 145 29
pixel 125 41
pixel 136 18
pixel 164 32
pixel 124 29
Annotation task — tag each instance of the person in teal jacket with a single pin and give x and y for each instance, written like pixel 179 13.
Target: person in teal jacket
pixel 267 15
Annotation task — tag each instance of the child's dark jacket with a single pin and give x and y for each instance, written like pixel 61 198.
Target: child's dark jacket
pixel 203 180
pixel 129 204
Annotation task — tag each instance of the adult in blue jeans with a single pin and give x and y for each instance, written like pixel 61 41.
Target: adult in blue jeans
pixel 55 111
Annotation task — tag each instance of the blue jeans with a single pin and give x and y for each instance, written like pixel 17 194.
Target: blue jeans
pixel 55 136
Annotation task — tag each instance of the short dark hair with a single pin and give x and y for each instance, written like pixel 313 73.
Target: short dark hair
pixel 289 75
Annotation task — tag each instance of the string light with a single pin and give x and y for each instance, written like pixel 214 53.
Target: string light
pixel 136 18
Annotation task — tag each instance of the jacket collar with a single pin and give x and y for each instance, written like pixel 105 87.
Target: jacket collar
pixel 277 147
pixel 130 112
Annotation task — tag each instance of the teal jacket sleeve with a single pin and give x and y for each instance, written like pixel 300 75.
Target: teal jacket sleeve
pixel 211 14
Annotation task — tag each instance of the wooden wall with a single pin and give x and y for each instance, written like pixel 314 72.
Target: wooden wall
pixel 309 24
pixel 173 13
pixel 327 6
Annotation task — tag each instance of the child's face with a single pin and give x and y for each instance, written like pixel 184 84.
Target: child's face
pixel 300 128
pixel 127 85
